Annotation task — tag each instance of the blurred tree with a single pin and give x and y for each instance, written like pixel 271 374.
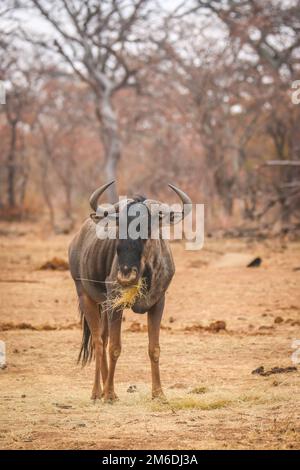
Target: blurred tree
pixel 98 40
pixel 271 29
pixel 15 117
pixel 197 93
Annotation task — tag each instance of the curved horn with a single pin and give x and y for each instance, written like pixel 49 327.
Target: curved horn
pixel 96 194
pixel 187 204
pixel 186 200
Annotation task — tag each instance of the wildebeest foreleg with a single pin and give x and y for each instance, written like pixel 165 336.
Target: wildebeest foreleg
pixel 104 336
pixel 114 348
pixel 92 316
pixel 154 319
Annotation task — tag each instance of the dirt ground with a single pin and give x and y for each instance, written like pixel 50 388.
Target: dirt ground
pixel 214 400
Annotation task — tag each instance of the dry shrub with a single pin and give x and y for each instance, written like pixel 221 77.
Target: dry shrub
pixel 213 327
pixel 55 264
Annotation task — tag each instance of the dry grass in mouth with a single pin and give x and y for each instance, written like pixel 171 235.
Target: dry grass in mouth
pixel 125 297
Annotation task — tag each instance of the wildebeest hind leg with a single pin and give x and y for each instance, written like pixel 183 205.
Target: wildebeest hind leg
pixel 92 316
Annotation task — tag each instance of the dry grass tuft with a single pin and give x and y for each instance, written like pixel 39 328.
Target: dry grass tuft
pixel 125 297
pixel 198 390
pixel 189 403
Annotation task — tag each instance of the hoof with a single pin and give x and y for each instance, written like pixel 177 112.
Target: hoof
pixel 159 396
pixel 96 396
pixel 109 397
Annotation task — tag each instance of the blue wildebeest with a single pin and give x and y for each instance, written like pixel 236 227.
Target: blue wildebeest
pixel 96 263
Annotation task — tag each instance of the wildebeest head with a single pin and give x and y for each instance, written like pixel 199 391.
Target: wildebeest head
pixel 137 212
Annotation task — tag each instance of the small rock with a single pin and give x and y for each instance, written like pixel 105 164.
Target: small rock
pixel 255 263
pixel 260 370
pixel 131 389
pixel 278 320
pixel 275 370
pixel 217 326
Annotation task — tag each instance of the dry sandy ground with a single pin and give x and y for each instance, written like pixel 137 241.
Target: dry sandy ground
pixel 214 400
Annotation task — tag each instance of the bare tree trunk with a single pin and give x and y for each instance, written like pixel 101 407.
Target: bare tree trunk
pixel 68 210
pixel 45 158
pixel 24 174
pixel 47 197
pixel 24 187
pixel 110 136
pixel 102 37
pixel 11 166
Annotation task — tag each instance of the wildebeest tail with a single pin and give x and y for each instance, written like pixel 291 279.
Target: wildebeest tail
pixel 86 349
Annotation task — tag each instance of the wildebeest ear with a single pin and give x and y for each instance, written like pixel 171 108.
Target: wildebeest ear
pixel 95 218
